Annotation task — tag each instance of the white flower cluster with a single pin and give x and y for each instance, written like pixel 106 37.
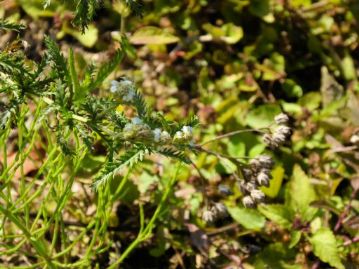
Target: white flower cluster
pixel 140 130
pixel 214 212
pixel 280 134
pixel 256 175
pixel 124 89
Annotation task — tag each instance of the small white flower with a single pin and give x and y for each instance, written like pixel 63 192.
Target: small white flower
pixel 354 139
pixel 281 119
pixel 187 132
pixel 136 121
pixel 114 86
pixel 165 137
pixel 178 135
pixel 267 139
pixel 257 195
pixel 157 135
pixel 129 96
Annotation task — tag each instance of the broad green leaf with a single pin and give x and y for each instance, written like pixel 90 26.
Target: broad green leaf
pixel 325 247
pixel 259 8
pixel 248 218
pixel 276 256
pixel 300 193
pixel 226 166
pixel 152 35
pixel 291 88
pixel 262 116
pixel 294 238
pixel 228 32
pixel 87 38
pixel 277 213
pixel 276 182
pixel 348 67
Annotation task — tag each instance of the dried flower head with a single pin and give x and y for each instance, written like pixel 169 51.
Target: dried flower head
pixel 281 119
pixel 257 195
pixel 208 216
pixel 248 201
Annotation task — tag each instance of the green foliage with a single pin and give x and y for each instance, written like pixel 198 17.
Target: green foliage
pixel 325 247
pixel 87 180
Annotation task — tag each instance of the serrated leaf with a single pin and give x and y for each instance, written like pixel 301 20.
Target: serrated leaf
pixel 152 35
pixel 325 247
pixel 277 213
pixel 300 193
pixel 248 218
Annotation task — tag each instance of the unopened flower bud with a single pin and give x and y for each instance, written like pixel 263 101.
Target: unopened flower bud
pixel 187 132
pixel 257 195
pixel 248 201
pixel 281 119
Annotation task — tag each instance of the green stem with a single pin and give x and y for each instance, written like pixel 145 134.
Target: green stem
pixel 147 231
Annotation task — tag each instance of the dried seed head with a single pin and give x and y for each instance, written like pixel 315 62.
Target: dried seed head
pixel 219 209
pixel 263 178
pixel 248 201
pixel 257 195
pixel 267 139
pixel 265 161
pixel 247 173
pixel 278 138
pixel 250 186
pixel 208 216
pixel 284 130
pixel 281 119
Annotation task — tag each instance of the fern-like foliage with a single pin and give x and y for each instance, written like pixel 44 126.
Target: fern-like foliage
pixel 85 12
pixel 112 168
pixel 57 60
pixel 136 6
pixel 172 152
pixel 10 26
pixel 105 70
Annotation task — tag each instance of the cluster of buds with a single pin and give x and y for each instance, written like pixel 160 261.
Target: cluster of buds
pixel 185 135
pixel 280 134
pixel 125 89
pixel 256 175
pixel 137 129
pixel 214 212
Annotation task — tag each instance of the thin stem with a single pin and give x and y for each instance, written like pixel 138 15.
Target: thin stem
pixel 147 231
pixel 234 133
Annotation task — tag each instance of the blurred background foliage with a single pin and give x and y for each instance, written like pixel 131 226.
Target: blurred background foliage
pixel 235 64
